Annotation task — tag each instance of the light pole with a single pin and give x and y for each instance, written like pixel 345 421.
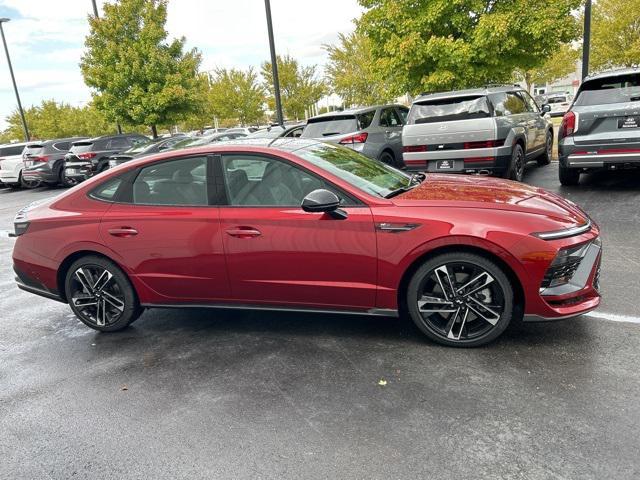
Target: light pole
pixel 13 80
pixel 274 64
pixel 586 39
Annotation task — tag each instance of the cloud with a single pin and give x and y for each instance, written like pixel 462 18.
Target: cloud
pixel 46 39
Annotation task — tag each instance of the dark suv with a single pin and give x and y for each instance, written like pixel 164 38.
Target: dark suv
pixel 89 157
pixel 601 130
pixel 44 161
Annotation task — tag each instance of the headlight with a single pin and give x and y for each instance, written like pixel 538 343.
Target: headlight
pixel 564 233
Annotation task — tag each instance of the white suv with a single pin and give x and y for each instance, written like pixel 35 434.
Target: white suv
pixel 11 163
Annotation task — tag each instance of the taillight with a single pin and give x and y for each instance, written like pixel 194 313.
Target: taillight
pixel 41 158
pixel 86 156
pixel 414 148
pixel 568 125
pixel 357 138
pixel 484 144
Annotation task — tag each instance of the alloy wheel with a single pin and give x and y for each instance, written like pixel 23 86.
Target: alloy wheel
pixel 96 295
pixel 460 301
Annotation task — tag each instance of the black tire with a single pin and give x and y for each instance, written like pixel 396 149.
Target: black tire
pixel 66 182
pixel 28 184
pixel 569 176
pixel 464 313
pixel 388 158
pixel 545 158
pixel 114 293
pixel 515 170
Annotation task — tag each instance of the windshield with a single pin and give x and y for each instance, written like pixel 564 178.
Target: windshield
pixel 602 91
pixel 366 174
pixel 325 127
pixel 273 132
pixel 139 147
pixel 448 109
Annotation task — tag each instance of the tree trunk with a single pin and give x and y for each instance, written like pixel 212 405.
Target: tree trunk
pixel 154 130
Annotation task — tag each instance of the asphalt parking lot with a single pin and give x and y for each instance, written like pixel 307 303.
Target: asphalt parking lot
pixel 214 394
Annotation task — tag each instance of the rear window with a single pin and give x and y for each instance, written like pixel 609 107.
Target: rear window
pixel 81 147
pixel 551 100
pixel 337 125
pixel 34 150
pixel 449 109
pixel 11 150
pixel 602 91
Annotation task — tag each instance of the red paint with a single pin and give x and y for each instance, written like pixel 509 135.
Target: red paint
pixel 287 257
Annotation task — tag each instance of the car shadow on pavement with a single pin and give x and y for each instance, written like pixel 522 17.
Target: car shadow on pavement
pixel 607 181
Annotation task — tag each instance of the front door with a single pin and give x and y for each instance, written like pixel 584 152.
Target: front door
pixel 166 231
pixel 278 254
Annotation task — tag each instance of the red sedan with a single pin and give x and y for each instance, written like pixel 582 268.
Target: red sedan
pixel 305 226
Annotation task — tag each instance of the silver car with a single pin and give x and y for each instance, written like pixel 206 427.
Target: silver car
pixel 492 130
pixel 601 130
pixel 373 131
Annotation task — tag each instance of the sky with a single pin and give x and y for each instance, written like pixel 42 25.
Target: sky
pixel 46 39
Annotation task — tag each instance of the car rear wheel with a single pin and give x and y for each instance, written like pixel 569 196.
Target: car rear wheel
pixel 28 183
pixel 545 158
pixel 101 295
pixel 460 300
pixel 569 176
pixel 515 171
pixel 388 158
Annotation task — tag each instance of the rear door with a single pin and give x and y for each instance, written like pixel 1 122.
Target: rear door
pixel 608 111
pixel 166 230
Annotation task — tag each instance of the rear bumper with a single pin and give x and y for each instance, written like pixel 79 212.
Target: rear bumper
pixel 79 171
pixel 601 160
pixel 42 173
pixel 491 161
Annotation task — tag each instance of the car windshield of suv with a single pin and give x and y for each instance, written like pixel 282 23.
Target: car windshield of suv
pixel 448 109
pixel 335 125
pixel 81 147
pixel 139 147
pixel 621 89
pixel 370 176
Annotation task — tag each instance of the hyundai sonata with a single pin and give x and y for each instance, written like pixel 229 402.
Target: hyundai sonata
pixel 305 226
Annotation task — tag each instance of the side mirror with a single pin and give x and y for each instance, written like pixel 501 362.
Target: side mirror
pixel 324 201
pixel 546 108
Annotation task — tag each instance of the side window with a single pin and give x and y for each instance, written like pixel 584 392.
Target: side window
pixel 118 143
pixel 365 119
pixel 533 107
pixel 257 181
pixel 508 104
pixel 404 113
pixel 176 182
pixel 62 146
pixel 107 190
pixel 389 118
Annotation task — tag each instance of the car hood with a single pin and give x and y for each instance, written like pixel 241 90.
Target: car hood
pixel 476 191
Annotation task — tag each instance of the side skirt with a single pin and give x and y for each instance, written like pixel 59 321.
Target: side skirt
pixel 380 312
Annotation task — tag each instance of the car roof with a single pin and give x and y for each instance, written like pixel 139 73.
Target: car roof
pixel 612 73
pixel 355 110
pixel 468 92
pixel 110 137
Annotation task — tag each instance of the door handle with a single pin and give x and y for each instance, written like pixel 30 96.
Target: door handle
pixel 244 232
pixel 123 232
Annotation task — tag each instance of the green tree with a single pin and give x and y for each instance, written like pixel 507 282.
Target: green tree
pixel 426 45
pixel 237 95
pixel 615 34
pixel 557 66
pixel 299 86
pixel 138 76
pixel 351 72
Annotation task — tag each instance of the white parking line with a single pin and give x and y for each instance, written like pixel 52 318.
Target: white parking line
pixel 612 317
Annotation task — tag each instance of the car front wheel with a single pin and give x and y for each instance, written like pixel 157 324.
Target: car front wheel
pixel 101 295
pixel 460 299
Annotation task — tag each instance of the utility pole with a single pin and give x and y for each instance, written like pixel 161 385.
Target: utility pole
pixel 274 65
pixel 95 14
pixel 13 80
pixel 586 39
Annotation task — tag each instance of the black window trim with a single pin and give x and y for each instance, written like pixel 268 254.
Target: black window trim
pixel 222 195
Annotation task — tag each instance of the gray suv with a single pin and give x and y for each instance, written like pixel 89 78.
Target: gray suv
pixel 492 130
pixel 601 130
pixel 373 131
